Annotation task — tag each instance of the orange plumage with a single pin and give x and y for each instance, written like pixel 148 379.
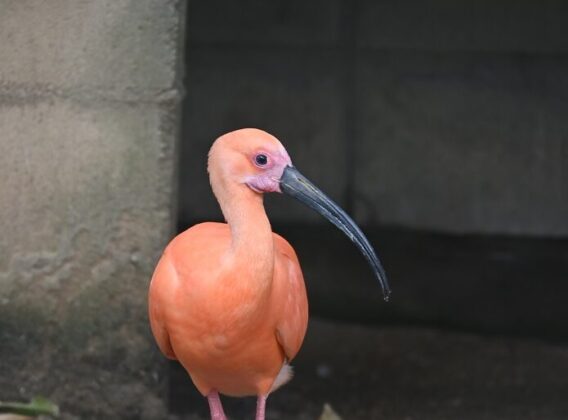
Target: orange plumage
pixel 229 321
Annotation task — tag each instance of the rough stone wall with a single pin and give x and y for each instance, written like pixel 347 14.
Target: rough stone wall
pixel 89 98
pixel 432 114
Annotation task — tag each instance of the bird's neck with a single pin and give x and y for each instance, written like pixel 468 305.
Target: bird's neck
pixel 252 242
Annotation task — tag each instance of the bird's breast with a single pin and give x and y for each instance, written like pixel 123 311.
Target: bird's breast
pixel 220 314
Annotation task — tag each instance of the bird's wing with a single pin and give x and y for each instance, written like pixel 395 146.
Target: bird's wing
pixel 160 286
pixel 293 317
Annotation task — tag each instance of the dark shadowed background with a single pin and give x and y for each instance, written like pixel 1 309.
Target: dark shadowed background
pixel 441 126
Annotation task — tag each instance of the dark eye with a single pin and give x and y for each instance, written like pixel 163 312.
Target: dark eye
pixel 261 159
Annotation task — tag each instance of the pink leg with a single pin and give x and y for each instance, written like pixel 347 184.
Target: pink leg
pixel 260 407
pixel 215 406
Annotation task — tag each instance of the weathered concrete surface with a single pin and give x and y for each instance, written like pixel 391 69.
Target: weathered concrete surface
pixel 88 108
pixel 463 143
pixel 446 25
pixel 118 47
pixel 408 373
pixel 278 22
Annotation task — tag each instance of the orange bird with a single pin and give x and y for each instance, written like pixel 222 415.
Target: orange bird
pixel 228 300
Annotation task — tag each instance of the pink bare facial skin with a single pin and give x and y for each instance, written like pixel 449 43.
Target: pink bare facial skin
pixel 267 178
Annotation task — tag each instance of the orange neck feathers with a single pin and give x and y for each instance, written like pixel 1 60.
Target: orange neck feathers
pixel 252 243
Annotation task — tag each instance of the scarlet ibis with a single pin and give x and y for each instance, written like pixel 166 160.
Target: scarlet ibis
pixel 228 300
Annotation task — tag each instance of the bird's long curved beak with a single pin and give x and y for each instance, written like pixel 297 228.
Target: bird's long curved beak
pixel 298 186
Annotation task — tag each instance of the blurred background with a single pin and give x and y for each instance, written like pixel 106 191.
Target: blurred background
pixel 440 126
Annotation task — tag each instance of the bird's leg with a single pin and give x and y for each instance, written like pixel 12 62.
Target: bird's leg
pixel 215 406
pixel 260 407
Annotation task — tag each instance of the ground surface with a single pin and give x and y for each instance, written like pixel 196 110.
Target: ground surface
pixel 407 373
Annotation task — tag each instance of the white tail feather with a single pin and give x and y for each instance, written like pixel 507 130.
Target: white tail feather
pixel 285 374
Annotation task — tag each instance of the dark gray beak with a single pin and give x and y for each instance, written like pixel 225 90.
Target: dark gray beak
pixel 298 186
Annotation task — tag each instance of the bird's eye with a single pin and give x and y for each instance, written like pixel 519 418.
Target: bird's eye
pixel 261 159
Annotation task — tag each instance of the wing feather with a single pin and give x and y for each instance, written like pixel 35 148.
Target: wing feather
pixel 162 281
pixel 293 318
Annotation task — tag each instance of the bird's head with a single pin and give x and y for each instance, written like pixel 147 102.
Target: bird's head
pixel 250 157
pixel 256 161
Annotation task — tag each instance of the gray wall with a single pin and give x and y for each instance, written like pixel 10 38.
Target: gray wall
pixel 432 115
pixel 89 94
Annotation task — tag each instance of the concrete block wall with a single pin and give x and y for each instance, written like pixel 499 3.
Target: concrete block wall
pixel 430 115
pixel 89 105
